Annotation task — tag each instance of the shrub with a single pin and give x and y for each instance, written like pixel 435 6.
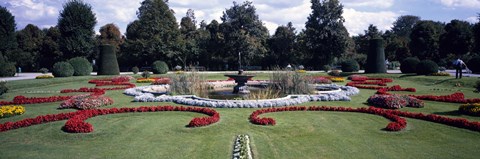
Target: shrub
pixel 135 70
pixel 81 66
pixel 7 69
pixel 62 69
pixel 159 67
pixel 108 64
pixel 327 68
pixel 350 65
pixel 3 87
pixel 43 70
pixel 335 73
pixel 146 74
pixel 474 64
pixel 477 86
pixel 409 65
pixel 427 67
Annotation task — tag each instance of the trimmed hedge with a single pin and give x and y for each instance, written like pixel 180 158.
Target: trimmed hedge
pixel 350 65
pixel 409 65
pixel 376 57
pixel 62 69
pixel 427 67
pixel 108 61
pixel 81 66
pixel 159 67
pixel 3 87
pixel 7 69
pixel 135 70
pixel 474 64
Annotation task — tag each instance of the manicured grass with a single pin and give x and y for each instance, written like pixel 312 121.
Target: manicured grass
pixel 296 135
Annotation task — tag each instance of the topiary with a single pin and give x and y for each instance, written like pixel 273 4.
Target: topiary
pixel 159 67
pixel 376 57
pixel 135 70
pixel 81 66
pixel 7 69
pixel 409 65
pixel 474 64
pixel 327 68
pixel 427 67
pixel 145 74
pixel 62 69
pixel 350 65
pixel 3 87
pixel 108 61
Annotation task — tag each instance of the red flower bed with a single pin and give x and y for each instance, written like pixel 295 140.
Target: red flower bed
pixel 76 120
pixel 457 97
pixel 86 101
pixel 160 81
pixel 397 123
pixel 394 101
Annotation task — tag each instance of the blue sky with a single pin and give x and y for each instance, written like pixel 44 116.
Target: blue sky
pixel 358 14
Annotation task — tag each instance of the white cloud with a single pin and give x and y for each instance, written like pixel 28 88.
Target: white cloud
pixel 460 3
pixel 472 19
pixel 356 21
pixel 368 3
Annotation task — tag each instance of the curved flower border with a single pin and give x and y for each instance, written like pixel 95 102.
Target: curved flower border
pixel 279 102
pixel 76 120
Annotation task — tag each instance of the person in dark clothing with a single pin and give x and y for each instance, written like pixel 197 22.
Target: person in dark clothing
pixel 459 65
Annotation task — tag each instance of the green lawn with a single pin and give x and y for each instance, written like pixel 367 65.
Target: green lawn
pixel 296 135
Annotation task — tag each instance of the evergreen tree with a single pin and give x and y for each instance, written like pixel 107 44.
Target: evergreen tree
pixel 244 33
pixel 457 39
pixel 30 40
pixel 8 40
pixel 281 46
pixel 189 40
pixel 76 24
pixel 424 42
pixel 155 35
pixel 326 36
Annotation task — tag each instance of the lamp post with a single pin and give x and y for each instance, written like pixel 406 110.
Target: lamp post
pixel 239 60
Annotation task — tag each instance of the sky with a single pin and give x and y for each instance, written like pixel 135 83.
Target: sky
pixel 358 14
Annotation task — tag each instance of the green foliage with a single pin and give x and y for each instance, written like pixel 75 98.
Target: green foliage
pixel 108 64
pixel 50 50
pixel 3 87
pixel 62 69
pixel 403 26
pixel 81 66
pixel 135 70
pixel 146 74
pixel 409 65
pixel 427 67
pixel 29 40
pixel 7 69
pixel 376 57
pixel 110 35
pixel 326 68
pixel 477 86
pixel 43 70
pixel 8 40
pixel 282 45
pixel 457 39
pixel 325 34
pixel 159 67
pixel 424 42
pixel 474 64
pixel 188 84
pixel 76 24
pixel 291 82
pixel 189 39
pixel 350 65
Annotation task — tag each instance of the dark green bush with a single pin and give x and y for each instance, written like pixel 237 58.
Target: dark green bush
pixel 327 68
pixel 81 66
pixel 108 61
pixel 7 69
pixel 62 69
pixel 135 70
pixel 335 73
pixel 146 74
pixel 427 67
pixel 43 70
pixel 350 65
pixel 477 86
pixel 159 67
pixel 474 64
pixel 409 65
pixel 3 87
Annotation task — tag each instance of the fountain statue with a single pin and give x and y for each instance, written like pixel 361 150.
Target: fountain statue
pixel 241 81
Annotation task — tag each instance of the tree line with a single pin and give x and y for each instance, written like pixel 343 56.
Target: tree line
pixel 240 35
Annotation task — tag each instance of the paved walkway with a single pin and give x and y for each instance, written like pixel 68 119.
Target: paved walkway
pixel 24 76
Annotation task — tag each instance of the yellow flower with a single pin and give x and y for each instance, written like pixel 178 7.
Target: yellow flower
pixel 301 71
pixel 11 110
pixel 147 80
pixel 44 77
pixel 337 79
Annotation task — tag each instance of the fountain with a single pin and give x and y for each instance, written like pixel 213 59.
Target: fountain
pixel 241 80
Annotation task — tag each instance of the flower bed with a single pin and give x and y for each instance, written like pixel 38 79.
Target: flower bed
pixel 440 74
pixel 397 123
pixel 145 80
pixel 44 77
pixel 76 120
pixel 457 97
pixel 204 102
pixel 86 101
pixel 11 110
pixel 241 148
pixel 322 80
pixel 161 81
pixel 337 79
pixel 470 109
pixel 394 101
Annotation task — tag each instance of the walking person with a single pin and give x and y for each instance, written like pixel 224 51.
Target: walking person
pixel 459 65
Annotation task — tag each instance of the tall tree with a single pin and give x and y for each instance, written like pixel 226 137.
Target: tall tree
pixel 189 40
pixel 281 46
pixel 362 40
pixel 403 26
pixel 457 39
pixel 8 40
pixel 30 40
pixel 425 40
pixel 76 24
pixel 476 36
pixel 326 36
pixel 244 34
pixel 155 35
pixel 50 51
